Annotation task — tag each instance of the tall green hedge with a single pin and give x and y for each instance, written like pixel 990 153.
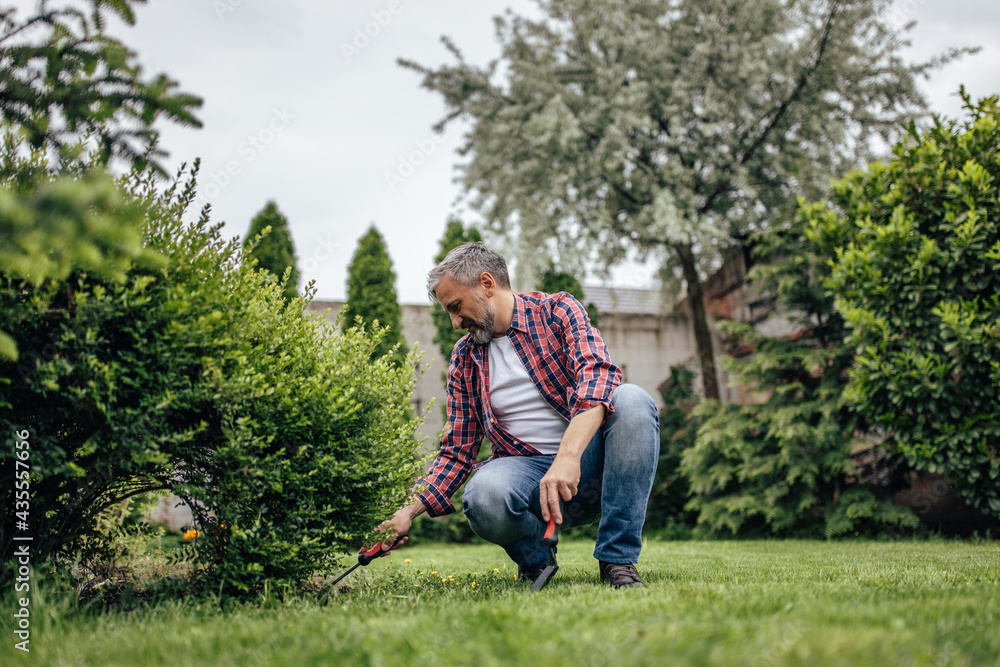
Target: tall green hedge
pixel 918 283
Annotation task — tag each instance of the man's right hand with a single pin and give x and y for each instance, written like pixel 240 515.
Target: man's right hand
pixel 400 524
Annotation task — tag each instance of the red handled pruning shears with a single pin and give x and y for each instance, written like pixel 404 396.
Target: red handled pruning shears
pixel 366 556
pixel 551 539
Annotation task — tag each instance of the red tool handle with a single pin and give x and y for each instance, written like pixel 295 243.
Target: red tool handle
pixel 366 556
pixel 551 536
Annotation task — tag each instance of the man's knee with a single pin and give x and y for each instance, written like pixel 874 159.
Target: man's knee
pixel 487 499
pixel 633 399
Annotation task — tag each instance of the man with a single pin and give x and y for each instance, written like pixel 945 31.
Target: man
pixel 536 379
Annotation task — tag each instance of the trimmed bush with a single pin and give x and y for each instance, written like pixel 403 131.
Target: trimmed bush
pixel 290 442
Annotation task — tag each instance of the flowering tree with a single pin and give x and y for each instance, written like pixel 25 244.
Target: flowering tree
pixel 666 129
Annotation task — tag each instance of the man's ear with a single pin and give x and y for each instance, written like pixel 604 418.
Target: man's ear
pixel 488 283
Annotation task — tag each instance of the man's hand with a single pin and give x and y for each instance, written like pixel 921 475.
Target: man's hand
pixel 400 524
pixel 563 478
pixel 561 481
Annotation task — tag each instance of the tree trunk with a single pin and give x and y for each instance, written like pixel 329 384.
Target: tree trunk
pixel 702 334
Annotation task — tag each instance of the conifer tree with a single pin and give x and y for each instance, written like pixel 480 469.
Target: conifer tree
pixel 275 252
pixel 371 293
pixel 455 234
pixel 64 78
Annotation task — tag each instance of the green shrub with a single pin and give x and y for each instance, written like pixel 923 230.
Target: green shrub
pixel 919 285
pixel 288 440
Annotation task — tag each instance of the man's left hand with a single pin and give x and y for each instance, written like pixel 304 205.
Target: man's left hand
pixel 561 481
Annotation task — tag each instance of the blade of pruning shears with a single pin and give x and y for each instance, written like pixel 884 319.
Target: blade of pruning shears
pixel 366 556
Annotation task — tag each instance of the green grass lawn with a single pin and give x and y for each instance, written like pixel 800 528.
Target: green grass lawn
pixel 705 603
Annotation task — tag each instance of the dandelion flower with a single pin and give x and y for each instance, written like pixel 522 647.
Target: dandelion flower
pixel 434 572
pixel 407 560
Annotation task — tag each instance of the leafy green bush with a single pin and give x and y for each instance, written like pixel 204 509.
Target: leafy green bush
pixel 919 285
pixel 784 467
pixel 288 440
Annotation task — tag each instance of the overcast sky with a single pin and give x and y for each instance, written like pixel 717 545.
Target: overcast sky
pixel 290 116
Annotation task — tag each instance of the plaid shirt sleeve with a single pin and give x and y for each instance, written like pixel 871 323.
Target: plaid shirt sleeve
pixel 461 442
pixel 587 357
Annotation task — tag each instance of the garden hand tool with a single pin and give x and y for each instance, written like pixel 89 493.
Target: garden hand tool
pixel 366 556
pixel 551 539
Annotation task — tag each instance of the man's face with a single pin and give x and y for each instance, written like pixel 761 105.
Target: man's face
pixel 468 308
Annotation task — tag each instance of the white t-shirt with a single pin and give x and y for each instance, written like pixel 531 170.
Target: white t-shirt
pixel 517 404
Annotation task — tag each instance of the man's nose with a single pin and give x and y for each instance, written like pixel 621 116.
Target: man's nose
pixel 456 321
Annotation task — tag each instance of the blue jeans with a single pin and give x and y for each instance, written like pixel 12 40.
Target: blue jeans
pixel 616 476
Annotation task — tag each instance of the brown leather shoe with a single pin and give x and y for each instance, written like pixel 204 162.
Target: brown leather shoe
pixel 620 575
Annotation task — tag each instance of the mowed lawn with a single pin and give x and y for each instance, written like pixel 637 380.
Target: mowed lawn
pixel 706 603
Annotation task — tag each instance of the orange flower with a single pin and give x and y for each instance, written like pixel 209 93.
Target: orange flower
pixel 191 534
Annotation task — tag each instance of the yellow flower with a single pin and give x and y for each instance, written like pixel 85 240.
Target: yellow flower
pixel 434 572
pixel 191 534
pixel 497 570
pixel 407 560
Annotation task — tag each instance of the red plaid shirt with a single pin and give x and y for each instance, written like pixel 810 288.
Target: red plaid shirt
pixel 565 358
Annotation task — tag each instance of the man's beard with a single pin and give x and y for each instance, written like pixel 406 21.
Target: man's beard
pixel 482 330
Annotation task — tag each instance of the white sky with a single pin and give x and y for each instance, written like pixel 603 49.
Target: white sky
pixel 329 128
